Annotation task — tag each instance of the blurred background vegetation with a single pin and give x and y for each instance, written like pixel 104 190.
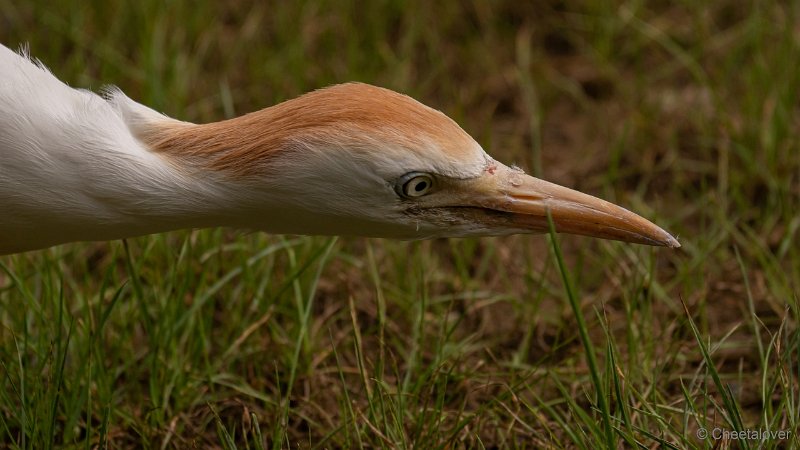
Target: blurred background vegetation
pixel 685 112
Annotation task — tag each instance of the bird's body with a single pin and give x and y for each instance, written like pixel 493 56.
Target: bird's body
pixel 352 159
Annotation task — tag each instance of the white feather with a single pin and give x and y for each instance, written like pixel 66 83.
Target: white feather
pixel 71 170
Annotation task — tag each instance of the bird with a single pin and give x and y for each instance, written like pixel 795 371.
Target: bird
pixel 351 159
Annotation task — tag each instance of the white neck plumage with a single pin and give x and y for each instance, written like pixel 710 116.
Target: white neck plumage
pixel 71 169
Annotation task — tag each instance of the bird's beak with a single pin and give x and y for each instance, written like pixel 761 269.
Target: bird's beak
pixel 529 199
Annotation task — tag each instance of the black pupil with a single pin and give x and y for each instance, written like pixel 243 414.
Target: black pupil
pixel 420 186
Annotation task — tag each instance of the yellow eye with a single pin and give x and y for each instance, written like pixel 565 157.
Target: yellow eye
pixel 414 184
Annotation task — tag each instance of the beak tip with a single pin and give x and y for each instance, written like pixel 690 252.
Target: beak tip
pixel 673 243
pixel 670 241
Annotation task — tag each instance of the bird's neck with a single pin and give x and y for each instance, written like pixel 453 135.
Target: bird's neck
pixel 74 168
pixel 108 192
pixel 160 195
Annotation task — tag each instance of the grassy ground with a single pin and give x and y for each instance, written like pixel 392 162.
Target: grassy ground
pixel 686 112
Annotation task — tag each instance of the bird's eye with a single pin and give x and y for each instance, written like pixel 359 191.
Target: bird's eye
pixel 414 184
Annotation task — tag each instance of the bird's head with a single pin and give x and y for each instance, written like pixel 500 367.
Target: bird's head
pixel 355 159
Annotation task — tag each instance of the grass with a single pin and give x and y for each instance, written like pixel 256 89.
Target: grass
pixel 686 112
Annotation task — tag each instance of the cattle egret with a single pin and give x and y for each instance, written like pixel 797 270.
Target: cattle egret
pixel 350 159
